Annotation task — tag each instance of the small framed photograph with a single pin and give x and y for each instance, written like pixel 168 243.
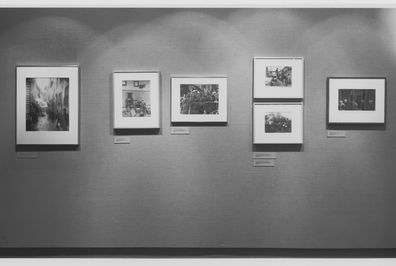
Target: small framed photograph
pixel 199 99
pixel 275 123
pixel 47 105
pixel 136 97
pixel 275 78
pixel 356 100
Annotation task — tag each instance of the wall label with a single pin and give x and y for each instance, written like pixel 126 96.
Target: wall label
pixel 264 163
pixel 336 133
pixel 265 155
pixel 27 155
pixel 122 140
pixel 180 131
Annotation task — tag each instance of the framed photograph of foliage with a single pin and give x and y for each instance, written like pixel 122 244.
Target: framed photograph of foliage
pixel 199 99
pixel 278 123
pixel 47 105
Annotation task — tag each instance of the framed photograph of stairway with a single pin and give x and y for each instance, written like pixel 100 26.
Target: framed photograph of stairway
pixel 47 105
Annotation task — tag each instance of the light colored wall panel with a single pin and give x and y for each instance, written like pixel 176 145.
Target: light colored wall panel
pixel 199 190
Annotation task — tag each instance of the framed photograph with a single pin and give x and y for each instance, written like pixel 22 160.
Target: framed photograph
pixel 47 105
pixel 199 99
pixel 275 78
pixel 275 123
pixel 136 97
pixel 356 100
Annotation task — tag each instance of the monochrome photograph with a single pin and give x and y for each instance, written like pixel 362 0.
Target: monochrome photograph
pixel 356 99
pixel 199 99
pixel 278 76
pixel 278 122
pixel 136 98
pixel 47 105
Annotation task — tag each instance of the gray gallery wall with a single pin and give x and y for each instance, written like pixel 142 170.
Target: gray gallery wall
pixel 200 190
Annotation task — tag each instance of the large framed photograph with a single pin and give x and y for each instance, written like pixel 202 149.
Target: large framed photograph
pixel 47 105
pixel 136 97
pixel 356 100
pixel 278 77
pixel 278 123
pixel 199 99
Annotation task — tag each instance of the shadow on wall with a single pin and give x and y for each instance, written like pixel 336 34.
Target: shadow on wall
pixel 387 24
pixel 46 39
pixel 39 148
pixel 183 41
pixel 278 148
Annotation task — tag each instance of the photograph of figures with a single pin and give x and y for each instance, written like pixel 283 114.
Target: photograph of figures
pixel 47 105
pixel 199 99
pixel 278 77
pixel 136 100
pixel 356 100
pixel 277 123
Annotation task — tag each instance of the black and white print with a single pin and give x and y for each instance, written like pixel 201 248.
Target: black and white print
pixel 199 99
pixel 278 76
pixel 136 98
pixel 47 104
pixel 278 122
pixel 356 99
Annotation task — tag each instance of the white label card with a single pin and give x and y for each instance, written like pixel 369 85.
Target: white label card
pixel 336 134
pixel 27 155
pixel 122 140
pixel 264 163
pixel 265 155
pixel 180 131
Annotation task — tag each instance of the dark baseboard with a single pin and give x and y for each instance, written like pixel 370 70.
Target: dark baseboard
pixel 63 252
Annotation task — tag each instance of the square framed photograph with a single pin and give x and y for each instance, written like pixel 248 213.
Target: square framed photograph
pixel 47 105
pixel 199 99
pixel 356 100
pixel 278 77
pixel 277 123
pixel 136 100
